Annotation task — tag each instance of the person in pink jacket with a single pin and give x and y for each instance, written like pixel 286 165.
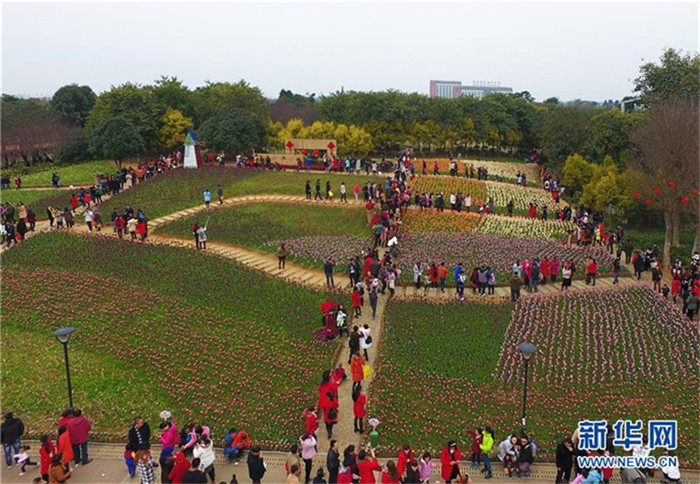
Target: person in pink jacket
pixel 170 436
pixel 78 428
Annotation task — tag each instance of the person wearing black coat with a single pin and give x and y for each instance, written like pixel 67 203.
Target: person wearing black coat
pixel 333 462
pixel 354 342
pixel 140 435
pixel 10 432
pixel 256 466
pixel 564 460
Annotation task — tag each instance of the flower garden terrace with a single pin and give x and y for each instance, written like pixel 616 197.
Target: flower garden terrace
pixel 604 354
pixel 138 311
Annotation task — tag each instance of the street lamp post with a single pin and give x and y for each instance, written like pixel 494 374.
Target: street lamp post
pixel 63 336
pixel 528 350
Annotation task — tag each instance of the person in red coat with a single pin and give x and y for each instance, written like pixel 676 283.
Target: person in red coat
pixel 391 475
pixel 357 302
pixel 406 455
pixel 323 388
pixel 366 466
pixel 179 469
pixel 65 418
pixel 358 408
pixel 330 416
pixel 591 270
pixel 46 453
pixel 532 211
pixel 357 370
pixel 477 438
pixel 545 270
pixel 449 458
pixel 311 420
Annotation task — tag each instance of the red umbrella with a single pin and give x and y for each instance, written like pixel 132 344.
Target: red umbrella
pixel 327 306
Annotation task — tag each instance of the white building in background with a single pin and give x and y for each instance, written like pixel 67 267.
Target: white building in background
pixel 455 89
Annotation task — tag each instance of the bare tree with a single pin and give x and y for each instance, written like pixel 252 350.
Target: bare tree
pixel 666 165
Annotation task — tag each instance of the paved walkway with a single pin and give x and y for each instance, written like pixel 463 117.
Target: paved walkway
pixel 108 468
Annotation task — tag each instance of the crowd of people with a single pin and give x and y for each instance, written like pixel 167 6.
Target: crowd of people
pixel 188 455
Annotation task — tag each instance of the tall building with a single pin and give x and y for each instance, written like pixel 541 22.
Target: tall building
pixel 455 89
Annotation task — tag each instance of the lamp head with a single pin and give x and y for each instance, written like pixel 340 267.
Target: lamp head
pixel 63 334
pixel 527 350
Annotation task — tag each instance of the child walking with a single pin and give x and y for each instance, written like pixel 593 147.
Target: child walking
pixel 129 460
pixel 426 464
pixel 23 460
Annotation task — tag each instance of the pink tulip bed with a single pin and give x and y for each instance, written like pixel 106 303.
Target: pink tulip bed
pixel 157 328
pixel 498 251
pixel 606 354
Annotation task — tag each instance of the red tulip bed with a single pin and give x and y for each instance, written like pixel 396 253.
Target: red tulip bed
pixel 605 354
pixel 157 327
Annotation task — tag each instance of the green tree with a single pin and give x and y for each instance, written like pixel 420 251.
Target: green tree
pixel 608 134
pixel 170 92
pixel 564 132
pixel 232 132
pixel 173 130
pixel 221 98
pixel 607 188
pixel 132 102
pixel 675 75
pixel 297 100
pixel 577 172
pixel 116 139
pixel 72 104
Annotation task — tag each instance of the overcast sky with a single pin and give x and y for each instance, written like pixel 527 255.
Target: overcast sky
pixel 588 51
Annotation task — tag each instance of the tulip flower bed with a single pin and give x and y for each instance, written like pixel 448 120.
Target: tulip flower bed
pixel 180 189
pixel 499 252
pixel 208 338
pixel 608 354
pixel 416 221
pixel 434 375
pixel 510 169
pixel 256 225
pixel 631 335
pixel 314 251
pixel 447 185
pixel 522 197
pixel 525 227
